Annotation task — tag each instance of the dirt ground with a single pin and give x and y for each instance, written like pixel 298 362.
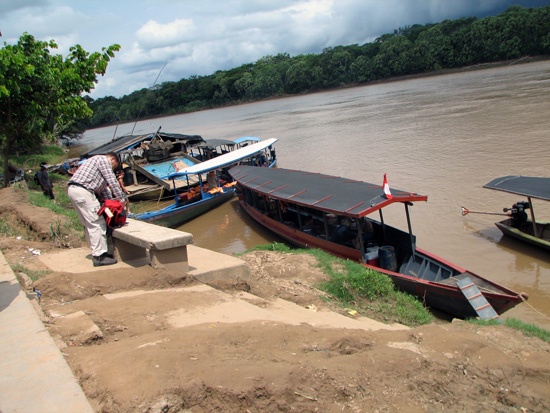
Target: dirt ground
pixel 118 333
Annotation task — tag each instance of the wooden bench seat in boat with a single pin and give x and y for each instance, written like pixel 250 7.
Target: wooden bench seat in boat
pixel 425 269
pixel 158 246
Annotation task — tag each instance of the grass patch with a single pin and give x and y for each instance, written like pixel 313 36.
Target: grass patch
pixel 369 292
pixel 32 274
pixel 62 204
pixel 527 329
pixel 52 154
pixel 11 227
pixel 6 229
pixel 276 246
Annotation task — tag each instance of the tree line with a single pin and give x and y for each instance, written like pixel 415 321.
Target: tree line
pixel 415 49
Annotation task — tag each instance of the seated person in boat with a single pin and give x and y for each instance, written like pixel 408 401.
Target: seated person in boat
pixel 290 218
pixel 309 226
pixel 272 209
pixel 340 232
pixel 367 232
pixel 212 179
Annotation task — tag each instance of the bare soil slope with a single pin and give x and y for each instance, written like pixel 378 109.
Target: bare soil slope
pixel 147 340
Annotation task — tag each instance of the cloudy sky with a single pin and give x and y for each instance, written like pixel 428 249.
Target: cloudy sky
pixel 199 37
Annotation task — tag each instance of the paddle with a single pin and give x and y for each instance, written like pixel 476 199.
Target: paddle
pixel 467 211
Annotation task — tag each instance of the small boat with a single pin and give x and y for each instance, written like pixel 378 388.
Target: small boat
pixel 151 146
pixel 207 184
pixel 151 177
pixel 518 225
pixel 212 148
pixel 149 157
pixel 314 210
pixel 139 155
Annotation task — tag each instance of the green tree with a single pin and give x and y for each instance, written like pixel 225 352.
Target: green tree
pixel 39 91
pixel 244 85
pixel 298 77
pixel 361 69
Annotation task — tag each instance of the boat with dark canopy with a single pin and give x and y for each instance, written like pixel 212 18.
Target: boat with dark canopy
pixel 334 214
pixel 518 225
pixel 159 145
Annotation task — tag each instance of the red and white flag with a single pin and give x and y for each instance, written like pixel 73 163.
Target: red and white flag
pixel 387 188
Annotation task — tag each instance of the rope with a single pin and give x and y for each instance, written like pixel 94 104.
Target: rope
pixel 533 308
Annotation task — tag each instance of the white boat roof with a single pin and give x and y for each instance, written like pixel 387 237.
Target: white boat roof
pixel 226 159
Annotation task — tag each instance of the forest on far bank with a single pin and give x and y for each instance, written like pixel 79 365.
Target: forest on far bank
pixel 410 50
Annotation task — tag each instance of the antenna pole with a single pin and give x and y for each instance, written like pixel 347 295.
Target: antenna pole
pixel 137 120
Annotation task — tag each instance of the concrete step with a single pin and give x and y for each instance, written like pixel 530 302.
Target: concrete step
pixel 183 307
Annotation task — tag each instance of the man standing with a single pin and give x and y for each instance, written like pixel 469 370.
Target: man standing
pixel 89 183
pixel 44 180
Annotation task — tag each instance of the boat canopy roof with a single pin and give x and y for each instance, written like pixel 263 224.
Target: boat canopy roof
pixel 529 186
pixel 224 160
pixel 323 192
pixel 214 143
pixel 128 141
pixel 247 138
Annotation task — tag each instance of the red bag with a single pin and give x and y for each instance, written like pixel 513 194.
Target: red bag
pixel 114 213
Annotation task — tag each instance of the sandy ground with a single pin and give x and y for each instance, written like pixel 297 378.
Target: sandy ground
pixel 147 340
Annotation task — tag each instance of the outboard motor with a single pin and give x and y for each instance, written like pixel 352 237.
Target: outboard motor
pixel 519 216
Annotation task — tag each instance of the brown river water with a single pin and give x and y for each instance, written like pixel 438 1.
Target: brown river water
pixel 442 136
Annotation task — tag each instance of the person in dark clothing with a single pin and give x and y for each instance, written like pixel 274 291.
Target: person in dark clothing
pixel 44 180
pixel 14 172
pixel 340 233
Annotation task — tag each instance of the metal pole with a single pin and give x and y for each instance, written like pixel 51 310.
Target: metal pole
pixel 360 235
pixel 535 232
pixel 383 225
pixel 410 228
pixel 175 192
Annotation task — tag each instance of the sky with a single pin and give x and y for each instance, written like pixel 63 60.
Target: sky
pixel 167 40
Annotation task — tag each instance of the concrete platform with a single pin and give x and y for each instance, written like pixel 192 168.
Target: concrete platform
pixel 34 375
pixel 205 265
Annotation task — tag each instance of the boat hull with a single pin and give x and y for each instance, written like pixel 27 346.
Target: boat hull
pixel 175 216
pixel 149 194
pixel 449 298
pixel 525 233
pixel 442 295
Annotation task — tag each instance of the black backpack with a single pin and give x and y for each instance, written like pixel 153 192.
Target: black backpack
pixel 36 180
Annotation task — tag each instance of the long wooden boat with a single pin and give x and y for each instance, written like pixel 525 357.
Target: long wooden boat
pixel 331 213
pixel 213 185
pixel 139 155
pixel 149 157
pixel 150 146
pixel 518 226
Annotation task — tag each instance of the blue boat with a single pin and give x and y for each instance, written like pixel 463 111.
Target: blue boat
pixel 208 184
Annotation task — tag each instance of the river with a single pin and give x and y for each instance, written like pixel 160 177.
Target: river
pixel 443 136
